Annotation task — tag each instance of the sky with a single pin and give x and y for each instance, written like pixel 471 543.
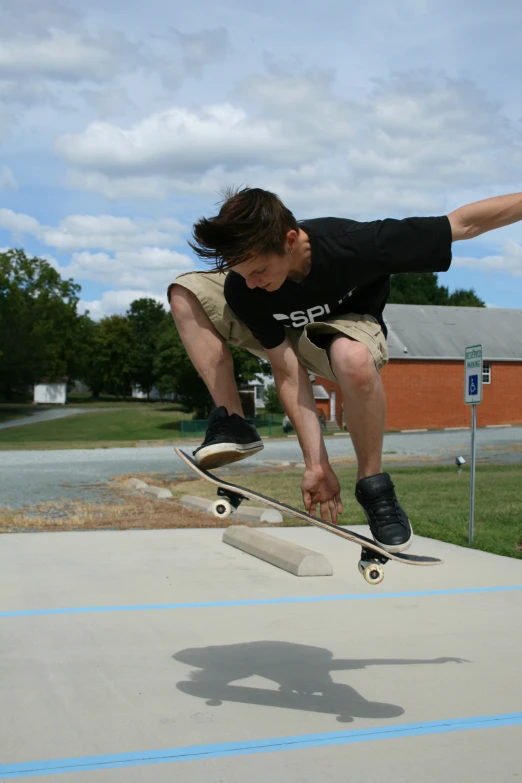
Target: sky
pixel 121 122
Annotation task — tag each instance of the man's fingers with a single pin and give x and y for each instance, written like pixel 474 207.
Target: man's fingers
pixel 333 511
pixel 309 504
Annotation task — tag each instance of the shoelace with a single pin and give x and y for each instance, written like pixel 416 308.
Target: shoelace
pixel 214 429
pixel 384 507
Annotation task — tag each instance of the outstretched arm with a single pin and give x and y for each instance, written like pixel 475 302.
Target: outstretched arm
pixel 481 216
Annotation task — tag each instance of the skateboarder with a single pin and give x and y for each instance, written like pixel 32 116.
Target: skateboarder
pixel 309 296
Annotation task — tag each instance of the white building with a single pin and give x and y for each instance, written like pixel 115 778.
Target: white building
pixel 50 393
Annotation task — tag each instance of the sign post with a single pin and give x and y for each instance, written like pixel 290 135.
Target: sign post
pixel 472 396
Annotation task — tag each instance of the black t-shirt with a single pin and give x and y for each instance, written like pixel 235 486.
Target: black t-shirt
pixel 350 273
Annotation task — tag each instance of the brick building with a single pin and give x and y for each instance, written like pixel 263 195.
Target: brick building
pixel 424 380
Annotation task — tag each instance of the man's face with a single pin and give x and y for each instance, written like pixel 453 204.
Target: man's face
pixel 267 272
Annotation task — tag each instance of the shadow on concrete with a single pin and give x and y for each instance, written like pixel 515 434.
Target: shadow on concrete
pixel 303 674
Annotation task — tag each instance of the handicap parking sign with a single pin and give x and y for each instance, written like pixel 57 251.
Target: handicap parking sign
pixel 473 375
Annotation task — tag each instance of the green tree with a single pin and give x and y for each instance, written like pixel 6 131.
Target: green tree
pixel 113 357
pixel 89 369
pixel 465 298
pixel 39 323
pixel 147 318
pixel 272 401
pixel 177 375
pixel 423 288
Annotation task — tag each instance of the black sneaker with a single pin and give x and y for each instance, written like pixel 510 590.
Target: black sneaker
pixel 228 439
pixel 388 522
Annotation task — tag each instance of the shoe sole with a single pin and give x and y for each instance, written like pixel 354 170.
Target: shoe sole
pixel 224 454
pixel 394 548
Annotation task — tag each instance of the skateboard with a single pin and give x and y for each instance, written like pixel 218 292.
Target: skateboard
pixel 373 557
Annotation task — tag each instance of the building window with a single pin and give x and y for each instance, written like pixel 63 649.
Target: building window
pixel 260 391
pixel 486 373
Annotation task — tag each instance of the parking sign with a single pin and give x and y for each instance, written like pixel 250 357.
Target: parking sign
pixel 473 375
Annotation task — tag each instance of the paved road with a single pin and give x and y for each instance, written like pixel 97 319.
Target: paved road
pixel 28 477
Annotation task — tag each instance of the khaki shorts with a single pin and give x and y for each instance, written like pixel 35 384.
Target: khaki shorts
pixel 309 343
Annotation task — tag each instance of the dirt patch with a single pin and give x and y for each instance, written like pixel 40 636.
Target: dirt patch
pixel 118 507
pixel 134 512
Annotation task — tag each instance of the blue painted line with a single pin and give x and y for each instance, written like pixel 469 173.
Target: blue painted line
pixel 222 750
pixel 258 602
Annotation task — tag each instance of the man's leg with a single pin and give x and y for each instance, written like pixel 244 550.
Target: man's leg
pixel 229 436
pixel 365 415
pixel 207 350
pixel 364 401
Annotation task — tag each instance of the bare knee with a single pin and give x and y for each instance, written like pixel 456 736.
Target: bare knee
pixel 352 361
pixel 197 332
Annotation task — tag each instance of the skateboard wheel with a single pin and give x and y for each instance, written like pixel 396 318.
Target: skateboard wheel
pixel 372 572
pixel 221 508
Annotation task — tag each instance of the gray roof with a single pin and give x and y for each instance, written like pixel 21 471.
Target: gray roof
pixel 432 332
pixel 320 392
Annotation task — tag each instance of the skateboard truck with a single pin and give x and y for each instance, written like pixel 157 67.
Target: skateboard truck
pixel 371 565
pixel 228 502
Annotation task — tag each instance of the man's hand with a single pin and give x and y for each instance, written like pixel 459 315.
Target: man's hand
pixel 321 487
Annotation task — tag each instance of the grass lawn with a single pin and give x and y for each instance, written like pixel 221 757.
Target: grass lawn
pixel 436 499
pixel 124 425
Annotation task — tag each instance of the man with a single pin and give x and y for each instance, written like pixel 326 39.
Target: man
pixel 310 296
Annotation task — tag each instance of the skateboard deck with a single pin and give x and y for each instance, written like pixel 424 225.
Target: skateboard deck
pixel 373 556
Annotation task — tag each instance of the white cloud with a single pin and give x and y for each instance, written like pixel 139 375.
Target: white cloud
pixel 46 51
pixel 136 255
pixel 67 57
pixel 34 17
pixel 180 141
pixel 109 233
pixel 103 232
pixel 116 189
pixel 508 263
pixel 402 144
pixel 7 180
pixel 18 223
pixel 49 49
pixel 115 303
pixel 149 268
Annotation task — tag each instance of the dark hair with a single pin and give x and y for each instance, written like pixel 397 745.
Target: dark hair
pixel 250 222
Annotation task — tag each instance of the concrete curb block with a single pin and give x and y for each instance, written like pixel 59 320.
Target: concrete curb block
pixel 252 514
pixel 197 504
pixel 246 513
pixel 135 483
pixel 290 557
pixel 159 492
